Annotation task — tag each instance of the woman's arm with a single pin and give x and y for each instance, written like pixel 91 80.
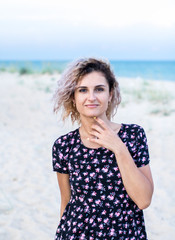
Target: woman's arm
pixel 65 190
pixel 138 182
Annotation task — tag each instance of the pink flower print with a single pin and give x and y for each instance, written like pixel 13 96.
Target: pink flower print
pixel 82 236
pixel 86 209
pixel 101 176
pixel 94 193
pixel 72 237
pixel 106 220
pixel 87 180
pixel 99 219
pixel 95 161
pixel 103 212
pixel 74 230
pixel 100 234
pixel 121 195
pixel 81 198
pixel 112 232
pixel 85 150
pixel 88 167
pixel 80 224
pixel 91 220
pixel 80 216
pixel 110 174
pixel 75 149
pixel 85 156
pixel 91 151
pixel 107 205
pixel 116 202
pixel 93 210
pixel 126 225
pixel 92 174
pixel 98 202
pixel 60 155
pixel 86 186
pixel 97 170
pixel 67 149
pixel 117 213
pixel 115 168
pixel 105 169
pixel 104 160
pixel 90 199
pixel 129 212
pixel 119 175
pixel 94 224
pixel 99 186
pixel 78 154
pixel 126 218
pixel 86 220
pixel 101 226
pixel 113 222
pixel 111 215
pixel 111 197
pixel 110 187
pixel 119 182
pixel 103 197
pixel 79 178
pixel 85 173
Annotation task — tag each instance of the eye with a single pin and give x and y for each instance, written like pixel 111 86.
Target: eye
pixel 82 90
pixel 99 89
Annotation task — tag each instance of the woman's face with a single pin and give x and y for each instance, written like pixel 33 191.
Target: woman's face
pixel 92 95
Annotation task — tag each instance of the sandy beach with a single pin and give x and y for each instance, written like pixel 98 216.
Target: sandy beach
pixel 29 192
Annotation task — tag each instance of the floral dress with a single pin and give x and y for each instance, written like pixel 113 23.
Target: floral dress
pixel 99 207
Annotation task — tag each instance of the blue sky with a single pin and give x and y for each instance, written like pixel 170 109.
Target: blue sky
pixel 54 29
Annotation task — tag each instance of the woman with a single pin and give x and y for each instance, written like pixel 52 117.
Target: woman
pixel 102 167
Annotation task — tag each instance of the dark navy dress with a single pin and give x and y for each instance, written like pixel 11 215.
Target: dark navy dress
pixel 99 207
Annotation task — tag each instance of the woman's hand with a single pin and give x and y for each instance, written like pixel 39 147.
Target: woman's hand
pixel 137 181
pixel 105 136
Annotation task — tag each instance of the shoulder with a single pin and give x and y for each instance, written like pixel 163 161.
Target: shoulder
pixel 133 131
pixel 133 128
pixel 65 139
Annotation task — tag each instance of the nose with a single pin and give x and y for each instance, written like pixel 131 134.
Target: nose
pixel 91 96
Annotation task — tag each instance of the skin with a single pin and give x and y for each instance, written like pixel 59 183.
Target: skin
pixel 91 99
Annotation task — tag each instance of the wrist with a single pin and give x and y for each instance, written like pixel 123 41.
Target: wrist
pixel 121 149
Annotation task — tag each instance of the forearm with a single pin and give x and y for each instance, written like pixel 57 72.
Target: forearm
pixel 137 185
pixel 62 207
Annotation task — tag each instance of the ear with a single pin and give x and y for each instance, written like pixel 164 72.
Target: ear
pixel 110 95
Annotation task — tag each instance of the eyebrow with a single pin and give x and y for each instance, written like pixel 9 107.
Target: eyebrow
pixel 101 85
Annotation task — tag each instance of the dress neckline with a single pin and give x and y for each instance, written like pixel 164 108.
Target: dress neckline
pixel 100 148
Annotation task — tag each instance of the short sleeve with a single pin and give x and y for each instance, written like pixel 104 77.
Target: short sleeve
pixel 59 161
pixel 142 148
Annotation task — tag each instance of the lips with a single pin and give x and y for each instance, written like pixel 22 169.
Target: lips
pixel 91 105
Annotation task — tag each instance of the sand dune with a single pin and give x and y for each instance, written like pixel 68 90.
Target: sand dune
pixel 29 193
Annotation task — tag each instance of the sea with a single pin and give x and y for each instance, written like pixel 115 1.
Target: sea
pixel 153 70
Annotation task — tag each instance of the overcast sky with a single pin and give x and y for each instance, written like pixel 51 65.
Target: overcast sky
pixel 67 29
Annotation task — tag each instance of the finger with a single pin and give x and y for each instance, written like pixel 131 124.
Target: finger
pixel 102 123
pixel 95 133
pixel 94 140
pixel 97 128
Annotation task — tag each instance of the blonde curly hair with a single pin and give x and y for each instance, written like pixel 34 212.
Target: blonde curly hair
pixel 64 94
